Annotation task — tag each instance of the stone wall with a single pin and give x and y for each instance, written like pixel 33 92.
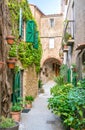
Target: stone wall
pixel 48 32
pixel 37 15
pixel 30 82
pixel 79 31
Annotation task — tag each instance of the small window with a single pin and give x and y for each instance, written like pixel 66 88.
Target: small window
pixel 51 43
pixel 51 23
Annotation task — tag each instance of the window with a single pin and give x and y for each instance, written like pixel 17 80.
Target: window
pixel 52 22
pixel 51 43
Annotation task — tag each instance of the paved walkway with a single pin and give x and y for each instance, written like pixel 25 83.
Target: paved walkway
pixel 39 117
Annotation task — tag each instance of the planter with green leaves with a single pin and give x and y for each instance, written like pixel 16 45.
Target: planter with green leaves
pixel 67 36
pixel 73 66
pixel 68 102
pixel 13 52
pixel 29 99
pixel 11 63
pixel 12 56
pixel 8 124
pixel 16 112
pixel 76 100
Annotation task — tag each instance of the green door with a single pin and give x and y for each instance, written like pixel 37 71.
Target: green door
pixel 16 87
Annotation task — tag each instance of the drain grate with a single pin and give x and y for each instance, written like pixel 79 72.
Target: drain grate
pixel 51 122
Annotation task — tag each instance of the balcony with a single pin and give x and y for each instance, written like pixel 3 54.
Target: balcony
pixel 69 32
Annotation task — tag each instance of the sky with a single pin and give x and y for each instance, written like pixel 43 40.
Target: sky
pixel 47 6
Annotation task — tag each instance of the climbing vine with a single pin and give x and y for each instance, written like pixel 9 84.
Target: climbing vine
pixel 26 53
pixel 29 55
pixel 14 7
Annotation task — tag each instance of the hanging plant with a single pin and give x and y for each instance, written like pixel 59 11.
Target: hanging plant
pixel 11 64
pixel 10 39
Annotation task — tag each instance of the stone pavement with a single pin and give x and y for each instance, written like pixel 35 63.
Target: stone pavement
pixel 39 117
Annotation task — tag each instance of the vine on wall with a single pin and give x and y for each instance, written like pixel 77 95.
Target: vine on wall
pixel 26 53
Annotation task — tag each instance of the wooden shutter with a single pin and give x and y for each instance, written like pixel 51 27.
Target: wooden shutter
pixel 35 45
pixel 16 87
pixel 30 31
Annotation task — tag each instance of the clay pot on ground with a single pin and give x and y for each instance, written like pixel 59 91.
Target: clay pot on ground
pixel 16 116
pixel 29 99
pixel 71 129
pixel 27 106
pixel 7 123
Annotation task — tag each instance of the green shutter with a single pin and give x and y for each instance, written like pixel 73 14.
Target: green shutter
pixel 35 45
pixel 74 79
pixel 16 87
pixel 30 31
pixel 69 75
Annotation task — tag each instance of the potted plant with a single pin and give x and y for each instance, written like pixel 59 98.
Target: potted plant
pixel 13 52
pixel 8 124
pixel 29 99
pixel 11 63
pixel 67 36
pixel 16 111
pixel 10 39
pixel 12 56
pixel 73 66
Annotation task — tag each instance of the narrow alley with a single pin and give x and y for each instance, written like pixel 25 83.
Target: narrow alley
pixel 39 117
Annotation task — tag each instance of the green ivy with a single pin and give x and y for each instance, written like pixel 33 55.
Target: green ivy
pixel 26 53
pixel 14 7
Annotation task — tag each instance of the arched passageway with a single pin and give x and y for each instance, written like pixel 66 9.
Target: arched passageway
pixel 50 69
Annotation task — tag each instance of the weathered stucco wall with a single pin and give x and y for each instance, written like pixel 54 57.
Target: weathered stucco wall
pixel 30 82
pixel 48 32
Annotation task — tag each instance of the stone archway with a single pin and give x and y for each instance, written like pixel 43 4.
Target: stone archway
pixel 50 68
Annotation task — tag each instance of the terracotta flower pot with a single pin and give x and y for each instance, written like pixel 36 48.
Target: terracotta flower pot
pixel 28 106
pixel 11 64
pixel 71 129
pixel 65 47
pixel 16 116
pixel 10 39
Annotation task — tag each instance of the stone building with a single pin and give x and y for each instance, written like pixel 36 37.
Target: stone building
pixel 75 25
pixel 50 27
pixel 24 81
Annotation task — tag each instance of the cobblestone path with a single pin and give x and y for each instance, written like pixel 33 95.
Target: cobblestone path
pixel 39 117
